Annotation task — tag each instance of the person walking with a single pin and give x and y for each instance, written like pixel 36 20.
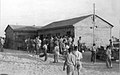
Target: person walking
pixel 70 63
pixel 108 57
pixel 78 59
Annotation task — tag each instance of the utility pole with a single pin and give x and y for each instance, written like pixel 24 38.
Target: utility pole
pixel 94 27
pixel 94 23
pixel 119 40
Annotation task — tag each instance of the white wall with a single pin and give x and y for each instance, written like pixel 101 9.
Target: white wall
pixel 102 32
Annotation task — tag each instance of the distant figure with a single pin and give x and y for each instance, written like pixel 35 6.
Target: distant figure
pixel 28 44
pixel 79 44
pixel 1 44
pixel 51 44
pixel 93 55
pixel 56 53
pixel 111 44
pixel 38 45
pixel 61 45
pixel 70 63
pixel 45 52
pixel 108 57
pixel 78 60
pixel 70 41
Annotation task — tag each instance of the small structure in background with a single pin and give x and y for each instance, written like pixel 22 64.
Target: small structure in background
pixel 16 35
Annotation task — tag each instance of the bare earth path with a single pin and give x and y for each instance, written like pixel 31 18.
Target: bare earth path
pixel 21 63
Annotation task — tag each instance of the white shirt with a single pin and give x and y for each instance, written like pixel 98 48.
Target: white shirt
pixel 56 50
pixel 2 41
pixel 78 55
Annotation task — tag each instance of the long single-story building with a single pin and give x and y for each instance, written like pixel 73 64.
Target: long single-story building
pixel 80 26
pixel 16 35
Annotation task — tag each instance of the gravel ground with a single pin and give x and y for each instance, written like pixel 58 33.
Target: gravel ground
pixel 21 63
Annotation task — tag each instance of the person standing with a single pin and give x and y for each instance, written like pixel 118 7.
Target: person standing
pixel 79 44
pixel 108 57
pixel 61 45
pixel 56 53
pixel 38 45
pixel 1 44
pixel 78 60
pixel 70 63
pixel 70 41
pixel 51 44
pixel 44 52
pixel 93 55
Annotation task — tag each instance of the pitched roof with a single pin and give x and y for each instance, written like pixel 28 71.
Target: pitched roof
pixel 24 28
pixel 69 22
pixel 65 22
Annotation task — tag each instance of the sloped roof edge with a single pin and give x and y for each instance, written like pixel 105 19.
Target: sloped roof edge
pixel 69 22
pixel 23 28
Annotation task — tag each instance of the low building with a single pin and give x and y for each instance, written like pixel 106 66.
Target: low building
pixel 80 26
pixel 16 35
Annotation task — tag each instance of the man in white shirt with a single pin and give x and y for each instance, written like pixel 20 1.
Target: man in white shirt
pixel 78 59
pixel 38 45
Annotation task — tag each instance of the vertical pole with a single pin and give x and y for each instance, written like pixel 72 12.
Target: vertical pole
pixel 119 42
pixel 94 27
pixel 93 23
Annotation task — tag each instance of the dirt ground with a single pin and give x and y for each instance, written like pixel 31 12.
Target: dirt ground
pixel 14 62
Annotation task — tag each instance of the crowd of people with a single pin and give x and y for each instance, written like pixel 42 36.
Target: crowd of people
pixel 58 45
pixel 64 46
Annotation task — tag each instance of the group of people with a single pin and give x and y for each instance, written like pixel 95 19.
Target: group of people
pixel 108 54
pixel 55 45
pixel 73 61
pixel 66 47
pixel 58 45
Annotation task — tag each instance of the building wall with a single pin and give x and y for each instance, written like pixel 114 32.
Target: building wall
pixel 15 39
pixel 9 38
pixel 20 36
pixel 56 31
pixel 101 33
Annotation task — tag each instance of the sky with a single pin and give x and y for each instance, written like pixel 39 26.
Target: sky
pixel 43 12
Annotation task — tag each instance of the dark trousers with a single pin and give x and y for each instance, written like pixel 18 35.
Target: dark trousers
pixel 1 48
pixel 108 62
pixel 44 55
pixel 93 56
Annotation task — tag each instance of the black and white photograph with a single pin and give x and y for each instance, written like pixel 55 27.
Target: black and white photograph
pixel 59 37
